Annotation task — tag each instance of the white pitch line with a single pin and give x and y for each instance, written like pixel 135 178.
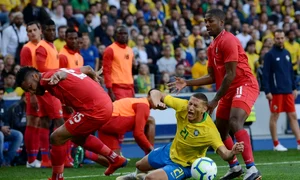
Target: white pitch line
pixel 123 173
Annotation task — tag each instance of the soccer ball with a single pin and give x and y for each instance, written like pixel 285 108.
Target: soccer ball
pixel 204 169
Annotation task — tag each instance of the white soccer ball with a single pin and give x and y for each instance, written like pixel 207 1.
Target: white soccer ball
pixel 204 169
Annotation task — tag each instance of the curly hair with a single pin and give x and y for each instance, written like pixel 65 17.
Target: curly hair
pixel 23 73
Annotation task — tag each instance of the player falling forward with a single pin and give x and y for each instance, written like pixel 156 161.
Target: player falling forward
pixel 91 103
pixel 237 90
pixel 129 114
pixel 195 133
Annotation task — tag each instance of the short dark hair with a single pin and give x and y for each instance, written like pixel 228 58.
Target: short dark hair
pixel 70 30
pixel 87 13
pixel 217 13
pixel 49 22
pixel 200 96
pixel 34 22
pixel 120 27
pixel 79 34
pixel 279 31
pixel 8 74
pixel 63 26
pixel 23 73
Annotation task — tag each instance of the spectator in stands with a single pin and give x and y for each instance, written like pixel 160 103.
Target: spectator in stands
pixel 7 134
pixel 140 53
pixel 86 26
pixel 259 72
pixel 165 79
pixel 60 42
pixel 112 15
pixel 1 72
pixel 59 18
pixel 96 21
pixel 108 38
pixel 244 36
pixel 100 30
pixel 129 21
pixel 255 37
pixel 117 66
pixel 14 36
pixel 252 56
pixel 168 41
pixel 80 7
pixel 16 68
pixel 34 13
pixel 180 60
pixel 199 69
pixel 195 35
pixel 180 72
pixel 153 49
pixel 16 114
pixel 280 88
pixel 9 85
pixel 9 62
pixel 72 22
pixel 89 53
pixel 167 63
pixel 294 49
pixel 143 80
pixel 188 51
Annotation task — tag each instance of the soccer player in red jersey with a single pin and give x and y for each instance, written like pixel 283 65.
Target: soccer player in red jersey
pixel 91 103
pixel 129 114
pixel 237 90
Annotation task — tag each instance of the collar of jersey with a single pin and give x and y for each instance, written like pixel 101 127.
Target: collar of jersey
pixel 204 118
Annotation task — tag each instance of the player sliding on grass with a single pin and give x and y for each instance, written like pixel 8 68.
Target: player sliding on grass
pixel 195 133
pixel 237 90
pixel 91 103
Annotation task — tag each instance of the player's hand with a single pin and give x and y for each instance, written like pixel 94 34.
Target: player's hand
pixel 269 96
pixel 33 102
pixel 5 130
pixel 238 147
pixel 295 94
pixel 161 106
pixel 69 109
pixel 178 85
pixel 55 78
pixel 211 106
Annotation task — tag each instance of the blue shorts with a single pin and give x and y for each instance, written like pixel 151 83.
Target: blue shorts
pixel 160 159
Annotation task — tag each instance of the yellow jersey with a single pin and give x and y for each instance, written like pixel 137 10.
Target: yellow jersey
pixel 192 139
pixel 253 62
pixel 294 50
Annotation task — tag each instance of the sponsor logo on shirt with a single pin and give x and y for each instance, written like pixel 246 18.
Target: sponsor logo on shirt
pixel 278 59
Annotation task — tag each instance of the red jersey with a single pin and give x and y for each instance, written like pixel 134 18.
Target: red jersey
pixel 227 48
pixel 79 91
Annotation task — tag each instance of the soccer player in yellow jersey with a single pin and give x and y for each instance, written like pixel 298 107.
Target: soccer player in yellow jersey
pixel 195 133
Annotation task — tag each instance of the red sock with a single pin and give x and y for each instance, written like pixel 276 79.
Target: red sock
pixel 242 135
pixel 90 155
pixel 298 142
pixel 58 156
pixel 96 146
pixel 31 140
pixel 277 142
pixel 229 144
pixel 44 144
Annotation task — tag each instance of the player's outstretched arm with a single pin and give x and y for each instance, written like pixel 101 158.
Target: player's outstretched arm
pixel 228 155
pixel 181 83
pixel 157 99
pixel 89 71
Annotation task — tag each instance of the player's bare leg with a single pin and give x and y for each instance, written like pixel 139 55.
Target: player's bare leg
pixel 31 140
pixel 236 123
pixel 273 130
pixel 44 141
pixel 96 146
pixel 295 126
pixel 235 168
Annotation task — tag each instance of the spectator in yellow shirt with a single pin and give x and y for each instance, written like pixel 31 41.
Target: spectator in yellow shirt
pixel 294 49
pixel 252 56
pixel 60 42
pixel 199 69
pixel 195 35
pixel 9 83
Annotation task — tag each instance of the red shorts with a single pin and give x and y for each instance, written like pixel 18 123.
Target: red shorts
pixel 66 115
pixel 29 110
pixel 122 92
pixel 282 103
pixel 50 106
pixel 242 97
pixel 81 125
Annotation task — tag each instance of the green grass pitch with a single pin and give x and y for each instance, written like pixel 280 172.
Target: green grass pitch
pixel 273 166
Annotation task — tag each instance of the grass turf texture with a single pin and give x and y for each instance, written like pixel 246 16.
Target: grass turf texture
pixel 273 166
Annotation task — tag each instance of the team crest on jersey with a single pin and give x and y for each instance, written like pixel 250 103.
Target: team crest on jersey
pixel 126 56
pixel 196 132
pixel 287 58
